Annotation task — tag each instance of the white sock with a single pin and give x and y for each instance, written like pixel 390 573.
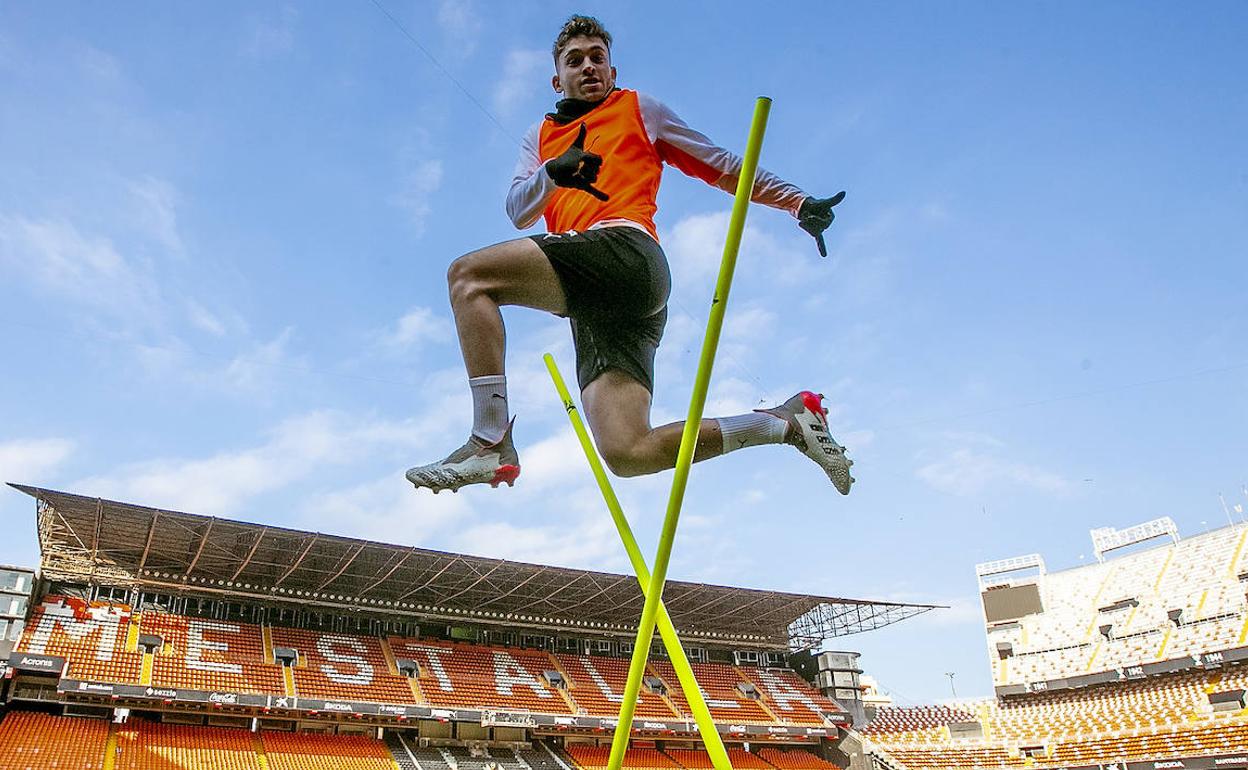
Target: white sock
pixel 751 429
pixel 489 407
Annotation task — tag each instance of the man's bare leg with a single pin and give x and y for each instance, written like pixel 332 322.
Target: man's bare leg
pixel 618 410
pixel 510 273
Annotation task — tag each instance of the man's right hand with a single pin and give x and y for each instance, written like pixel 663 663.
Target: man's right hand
pixel 577 168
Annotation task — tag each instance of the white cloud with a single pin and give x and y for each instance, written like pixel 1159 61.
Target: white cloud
pixel 460 23
pixel 204 319
pixel 695 249
pixel 521 78
pixel 58 259
pixel 386 509
pixel 965 472
pixel 588 543
pixel 29 460
pixel 418 326
pixel 271 37
pixel 156 212
pixel 257 369
pixel 300 448
pixel 420 179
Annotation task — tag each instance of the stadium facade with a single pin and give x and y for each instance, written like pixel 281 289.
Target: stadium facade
pixel 159 640
pixel 159 621
pixel 1136 662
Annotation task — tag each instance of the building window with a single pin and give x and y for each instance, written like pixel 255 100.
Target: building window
pixel 13 581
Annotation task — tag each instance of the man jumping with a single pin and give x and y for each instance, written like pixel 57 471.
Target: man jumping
pixel 600 265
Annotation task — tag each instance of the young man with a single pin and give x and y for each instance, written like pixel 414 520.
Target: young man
pixel 601 266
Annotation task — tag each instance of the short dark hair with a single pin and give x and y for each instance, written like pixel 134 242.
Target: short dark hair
pixel 580 26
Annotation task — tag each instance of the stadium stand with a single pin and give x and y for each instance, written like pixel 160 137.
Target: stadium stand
pixel 143 745
pixel 918 724
pixel 794 759
pixel 342 666
pixel 457 674
pixel 210 655
pixel 431 758
pixel 637 757
pixel 34 741
pixel 538 759
pixel 314 751
pixel 789 697
pixel 597 684
pixel 692 759
pixel 719 686
pixel 90 636
pixel 400 752
pixel 1132 597
pixel 183 655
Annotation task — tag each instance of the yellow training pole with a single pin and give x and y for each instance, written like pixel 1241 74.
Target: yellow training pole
pixel 689 438
pixel 667 631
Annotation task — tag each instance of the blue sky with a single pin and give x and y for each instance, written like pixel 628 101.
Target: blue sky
pixel 224 232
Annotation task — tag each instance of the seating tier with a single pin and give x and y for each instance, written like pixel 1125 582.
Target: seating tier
pixel 148 746
pixel 342 667
pixel 210 655
pixel 46 742
pixel 90 636
pixel 315 751
pixel 454 674
pixel 789 696
pixel 719 687
pixel 597 685
pixel 795 759
pixel 596 757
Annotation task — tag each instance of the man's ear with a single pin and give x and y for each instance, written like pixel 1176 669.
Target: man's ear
pixel 554 83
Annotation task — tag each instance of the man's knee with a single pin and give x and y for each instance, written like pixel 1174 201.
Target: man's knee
pixel 622 462
pixel 628 459
pixel 463 278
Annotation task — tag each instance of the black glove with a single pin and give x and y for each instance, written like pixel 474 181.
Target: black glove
pixel 816 215
pixel 577 169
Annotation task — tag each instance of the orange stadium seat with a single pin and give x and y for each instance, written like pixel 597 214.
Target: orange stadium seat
pixel 145 745
pixel 719 683
pixel 596 757
pixel 792 698
pixel 314 751
pixel 33 741
pixel 746 760
pixel 1152 719
pixel 795 759
pixel 342 667
pixel 597 686
pixel 90 636
pixel 693 759
pixel 916 724
pixel 210 655
pixel 455 674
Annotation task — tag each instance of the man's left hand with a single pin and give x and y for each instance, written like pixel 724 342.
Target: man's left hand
pixel 816 215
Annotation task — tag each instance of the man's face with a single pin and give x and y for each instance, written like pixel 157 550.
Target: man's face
pixel 583 70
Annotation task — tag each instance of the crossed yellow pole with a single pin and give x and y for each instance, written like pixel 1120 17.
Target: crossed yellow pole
pixel 653 611
pixel 680 662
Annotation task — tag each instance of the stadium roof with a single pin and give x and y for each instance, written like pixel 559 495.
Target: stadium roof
pixel 88 539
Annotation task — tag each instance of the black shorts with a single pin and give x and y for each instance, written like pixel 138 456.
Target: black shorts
pixel 616 281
